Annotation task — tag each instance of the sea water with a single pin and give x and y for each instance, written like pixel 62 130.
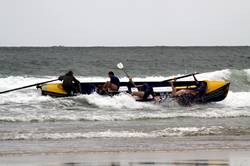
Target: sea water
pixel 31 123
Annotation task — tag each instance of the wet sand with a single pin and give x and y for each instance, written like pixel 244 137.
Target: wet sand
pixel 181 151
pixel 180 158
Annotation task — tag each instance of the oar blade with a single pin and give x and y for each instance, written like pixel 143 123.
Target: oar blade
pixel 120 66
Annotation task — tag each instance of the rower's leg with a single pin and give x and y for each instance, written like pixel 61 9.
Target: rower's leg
pixel 76 88
pixel 113 87
pixel 69 91
pixel 106 86
pixel 138 94
pixel 157 99
pixel 184 91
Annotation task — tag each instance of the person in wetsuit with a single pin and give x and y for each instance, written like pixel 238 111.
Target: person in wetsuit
pixel 201 88
pixel 145 90
pixel 113 85
pixel 70 84
pixel 186 96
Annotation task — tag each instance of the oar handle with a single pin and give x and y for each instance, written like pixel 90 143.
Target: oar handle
pixel 10 90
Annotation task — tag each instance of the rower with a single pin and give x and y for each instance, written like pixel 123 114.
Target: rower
pixel 113 85
pixel 70 84
pixel 201 87
pixel 200 90
pixel 145 90
pixel 186 96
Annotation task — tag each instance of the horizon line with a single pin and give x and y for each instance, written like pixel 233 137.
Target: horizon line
pixel 58 46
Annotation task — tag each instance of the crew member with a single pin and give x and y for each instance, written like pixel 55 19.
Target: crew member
pixel 70 84
pixel 145 90
pixel 200 90
pixel 113 85
pixel 186 96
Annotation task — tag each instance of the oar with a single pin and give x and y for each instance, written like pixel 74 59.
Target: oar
pixel 121 67
pixel 176 78
pixel 10 90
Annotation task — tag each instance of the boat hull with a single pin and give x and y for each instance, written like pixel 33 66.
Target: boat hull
pixel 216 90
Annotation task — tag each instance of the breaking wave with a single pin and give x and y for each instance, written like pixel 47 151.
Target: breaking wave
pixel 29 106
pixel 238 77
pixel 167 132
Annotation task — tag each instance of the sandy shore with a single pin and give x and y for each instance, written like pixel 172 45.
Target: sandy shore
pixel 180 158
pixel 181 151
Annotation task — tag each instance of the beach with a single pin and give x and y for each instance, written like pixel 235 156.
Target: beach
pixel 180 158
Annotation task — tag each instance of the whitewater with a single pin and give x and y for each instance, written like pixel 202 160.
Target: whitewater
pixel 31 123
pixel 29 106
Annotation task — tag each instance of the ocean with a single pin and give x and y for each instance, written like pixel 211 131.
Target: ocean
pixel 34 124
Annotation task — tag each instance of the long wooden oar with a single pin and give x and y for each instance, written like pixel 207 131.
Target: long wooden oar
pixel 10 90
pixel 121 67
pixel 176 78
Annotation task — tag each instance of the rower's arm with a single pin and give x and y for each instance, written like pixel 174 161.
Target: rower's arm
pixel 60 78
pixel 195 78
pixel 75 80
pixel 131 81
pixel 173 89
pixel 138 86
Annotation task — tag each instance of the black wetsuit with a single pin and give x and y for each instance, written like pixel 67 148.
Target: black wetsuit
pixel 201 89
pixel 115 80
pixel 70 84
pixel 148 90
pixel 188 99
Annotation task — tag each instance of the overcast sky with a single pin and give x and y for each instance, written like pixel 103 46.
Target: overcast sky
pixel 124 22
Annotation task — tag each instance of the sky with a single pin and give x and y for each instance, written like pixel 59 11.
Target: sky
pixel 124 22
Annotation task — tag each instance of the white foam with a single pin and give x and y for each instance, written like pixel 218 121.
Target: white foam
pixel 121 107
pixel 19 81
pixel 58 113
pixel 184 131
pixel 237 99
pixel 119 101
pixel 29 105
pixel 167 132
pixel 22 98
pixel 214 75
